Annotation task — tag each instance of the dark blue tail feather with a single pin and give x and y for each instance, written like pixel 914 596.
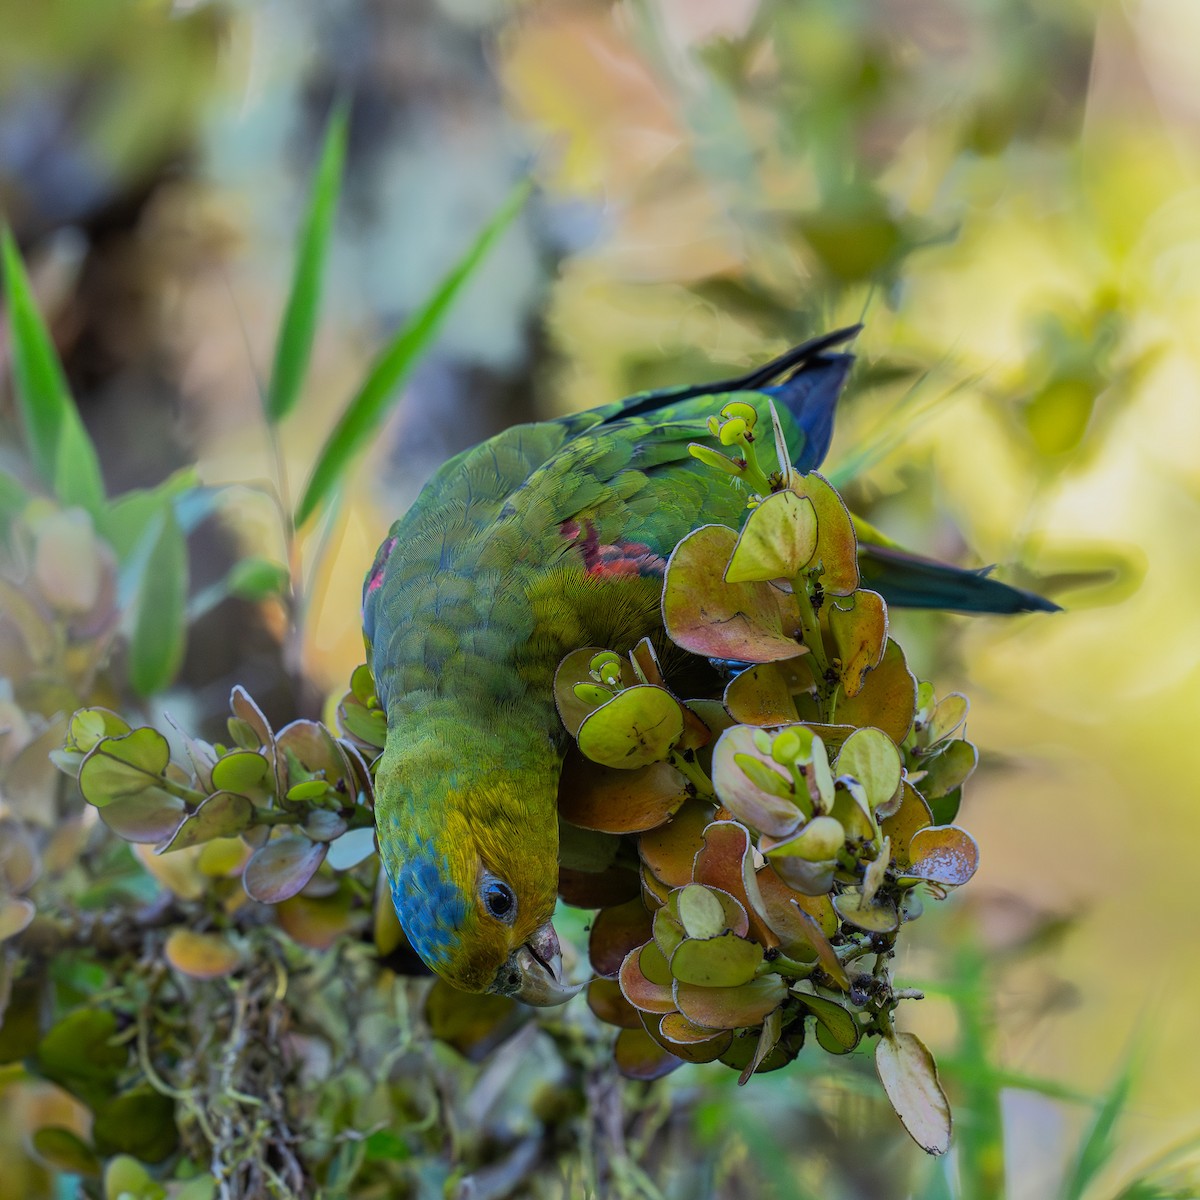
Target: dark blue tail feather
pixel 907 580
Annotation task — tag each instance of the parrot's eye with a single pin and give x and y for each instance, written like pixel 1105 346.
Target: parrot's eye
pixel 499 900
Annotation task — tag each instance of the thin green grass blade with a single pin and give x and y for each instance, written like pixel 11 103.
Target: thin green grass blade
pixel 160 621
pixel 1098 1146
pixel 367 409
pixel 293 346
pixel 58 444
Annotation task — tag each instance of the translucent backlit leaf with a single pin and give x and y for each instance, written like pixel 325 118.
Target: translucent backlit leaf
pixel 637 727
pixel 776 542
pixel 909 1076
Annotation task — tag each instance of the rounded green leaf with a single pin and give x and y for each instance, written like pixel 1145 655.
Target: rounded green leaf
pixel 909 1076
pixel 724 961
pixel 668 931
pixel 874 916
pixel 776 542
pixel 843 1030
pixel 871 757
pixel 747 622
pixel 89 725
pixel 818 842
pixel 223 814
pixel 127 765
pixel 700 912
pixel 242 771
pixel 948 769
pixel 635 728
pixel 282 867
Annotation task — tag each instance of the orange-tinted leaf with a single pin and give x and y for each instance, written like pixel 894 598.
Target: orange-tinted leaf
pixel 670 849
pixel 731 1007
pixel 942 854
pixel 318 922
pixel 686 1040
pixel 748 622
pixel 858 625
pixel 887 697
pixel 837 546
pixel 726 861
pixel 604 998
pixel 640 991
pixel 474 1024
pixel 201 955
pixel 639 1056
pixel 615 801
pixel 912 815
pixel 615 932
pixel 765 693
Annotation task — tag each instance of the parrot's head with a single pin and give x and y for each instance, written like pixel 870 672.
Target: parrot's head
pixel 471 850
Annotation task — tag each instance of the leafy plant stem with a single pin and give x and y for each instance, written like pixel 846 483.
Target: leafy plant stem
pixel 810 629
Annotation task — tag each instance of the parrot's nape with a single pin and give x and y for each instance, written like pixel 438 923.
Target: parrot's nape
pixel 546 538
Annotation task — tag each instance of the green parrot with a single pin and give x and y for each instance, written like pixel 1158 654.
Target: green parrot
pixel 546 538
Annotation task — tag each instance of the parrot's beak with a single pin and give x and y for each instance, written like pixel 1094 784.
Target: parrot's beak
pixel 539 964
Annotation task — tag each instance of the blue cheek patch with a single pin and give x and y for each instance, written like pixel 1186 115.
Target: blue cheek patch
pixel 429 906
